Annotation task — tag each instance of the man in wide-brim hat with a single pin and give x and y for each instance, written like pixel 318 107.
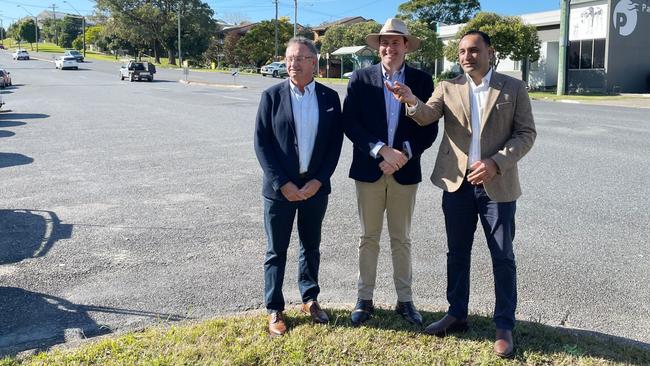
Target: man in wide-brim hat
pixel 386 163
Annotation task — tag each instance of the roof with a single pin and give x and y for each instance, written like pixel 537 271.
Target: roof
pixel 342 21
pixel 352 50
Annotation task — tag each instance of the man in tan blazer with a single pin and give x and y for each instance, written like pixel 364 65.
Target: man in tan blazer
pixel 488 128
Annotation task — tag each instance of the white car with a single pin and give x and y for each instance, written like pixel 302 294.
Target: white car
pixel 20 55
pixel 274 69
pixel 66 62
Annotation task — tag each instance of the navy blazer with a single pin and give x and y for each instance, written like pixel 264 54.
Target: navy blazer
pixel 365 124
pixel 276 143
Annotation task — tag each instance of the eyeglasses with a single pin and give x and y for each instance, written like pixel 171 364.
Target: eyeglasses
pixel 298 58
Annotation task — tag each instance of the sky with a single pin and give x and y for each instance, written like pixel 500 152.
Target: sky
pixel 310 12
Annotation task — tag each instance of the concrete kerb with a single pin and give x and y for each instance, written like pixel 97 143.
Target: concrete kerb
pixel 204 83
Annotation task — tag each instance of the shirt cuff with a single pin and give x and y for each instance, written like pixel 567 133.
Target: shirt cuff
pixel 374 152
pixel 411 110
pixel 406 147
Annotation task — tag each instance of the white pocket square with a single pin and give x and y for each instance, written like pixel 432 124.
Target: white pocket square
pixel 331 109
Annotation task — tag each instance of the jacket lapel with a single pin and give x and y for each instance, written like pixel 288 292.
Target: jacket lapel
pixel 496 84
pixel 286 110
pixel 321 100
pixel 378 82
pixel 462 88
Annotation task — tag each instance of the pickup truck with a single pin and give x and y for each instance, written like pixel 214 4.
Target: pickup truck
pixel 135 70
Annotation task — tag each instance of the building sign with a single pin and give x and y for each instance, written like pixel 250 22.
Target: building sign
pixel 625 15
pixel 589 22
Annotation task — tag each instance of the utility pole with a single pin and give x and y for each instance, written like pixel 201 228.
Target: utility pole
pixel 295 18
pixel 2 31
pixel 276 30
pixel 180 53
pixel 56 28
pixel 564 40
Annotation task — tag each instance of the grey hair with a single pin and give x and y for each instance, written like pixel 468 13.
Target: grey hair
pixel 300 40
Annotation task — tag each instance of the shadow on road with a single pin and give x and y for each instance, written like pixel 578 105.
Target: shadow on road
pixel 36 321
pixel 14 159
pixel 29 234
pixel 6 134
pixel 11 123
pixel 11 115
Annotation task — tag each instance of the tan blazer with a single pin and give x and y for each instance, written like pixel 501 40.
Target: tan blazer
pixel 507 132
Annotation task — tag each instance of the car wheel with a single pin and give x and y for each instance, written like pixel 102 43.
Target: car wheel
pixel 275 74
pixel 131 78
pixel 76 68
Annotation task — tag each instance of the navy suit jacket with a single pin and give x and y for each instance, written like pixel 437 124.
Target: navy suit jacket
pixel 364 118
pixel 276 144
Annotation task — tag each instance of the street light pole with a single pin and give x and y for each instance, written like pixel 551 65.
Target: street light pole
pixel 180 53
pixel 35 24
pixel 295 18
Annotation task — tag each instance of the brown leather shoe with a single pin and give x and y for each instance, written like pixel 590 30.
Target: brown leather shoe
pixel 504 346
pixel 317 314
pixel 277 327
pixel 448 324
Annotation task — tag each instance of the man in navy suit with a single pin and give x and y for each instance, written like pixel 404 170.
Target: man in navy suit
pixel 298 138
pixel 386 163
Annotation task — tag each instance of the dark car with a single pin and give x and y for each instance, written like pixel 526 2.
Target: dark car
pixel 135 70
pixel 5 79
pixel 76 54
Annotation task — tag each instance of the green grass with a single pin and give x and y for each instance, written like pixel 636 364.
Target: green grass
pixel 386 340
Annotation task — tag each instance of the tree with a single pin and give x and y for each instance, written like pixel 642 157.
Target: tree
pixel 70 29
pixel 230 49
pixel 430 47
pixel 510 37
pixel 347 35
pixel 27 31
pixel 148 24
pixel 51 29
pixel 93 34
pixel 257 46
pixel 432 12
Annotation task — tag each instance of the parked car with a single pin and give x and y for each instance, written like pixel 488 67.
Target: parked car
pixel 2 47
pixel 135 70
pixel 274 69
pixel 5 79
pixel 20 55
pixel 66 62
pixel 76 54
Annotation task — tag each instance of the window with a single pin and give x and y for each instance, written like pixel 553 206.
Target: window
pixel 574 55
pixel 587 54
pixel 599 54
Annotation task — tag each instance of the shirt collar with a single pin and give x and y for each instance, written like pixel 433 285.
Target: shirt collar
pixel 484 82
pixel 385 72
pixel 309 88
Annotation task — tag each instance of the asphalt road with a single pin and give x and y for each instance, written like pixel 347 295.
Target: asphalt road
pixel 134 204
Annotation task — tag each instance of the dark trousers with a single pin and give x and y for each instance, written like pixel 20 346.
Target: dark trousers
pixel 278 223
pixel 462 209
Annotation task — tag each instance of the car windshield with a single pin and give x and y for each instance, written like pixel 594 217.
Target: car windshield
pixel 75 53
pixel 69 58
pixel 276 64
pixel 138 66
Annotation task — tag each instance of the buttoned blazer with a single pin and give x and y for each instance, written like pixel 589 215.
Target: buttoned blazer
pixel 276 143
pixel 507 132
pixel 365 124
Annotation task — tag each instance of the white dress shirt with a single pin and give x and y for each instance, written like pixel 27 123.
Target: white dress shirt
pixel 477 98
pixel 305 115
pixel 393 107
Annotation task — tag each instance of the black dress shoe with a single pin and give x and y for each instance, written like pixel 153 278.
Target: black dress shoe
pixel 504 346
pixel 362 312
pixel 448 324
pixel 408 311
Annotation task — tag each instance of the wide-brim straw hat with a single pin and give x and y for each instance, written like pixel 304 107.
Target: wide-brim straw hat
pixel 394 27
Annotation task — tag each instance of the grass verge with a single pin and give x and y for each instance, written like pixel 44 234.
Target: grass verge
pixel 386 340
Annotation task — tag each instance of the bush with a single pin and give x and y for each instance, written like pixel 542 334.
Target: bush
pixel 78 43
pixel 446 75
